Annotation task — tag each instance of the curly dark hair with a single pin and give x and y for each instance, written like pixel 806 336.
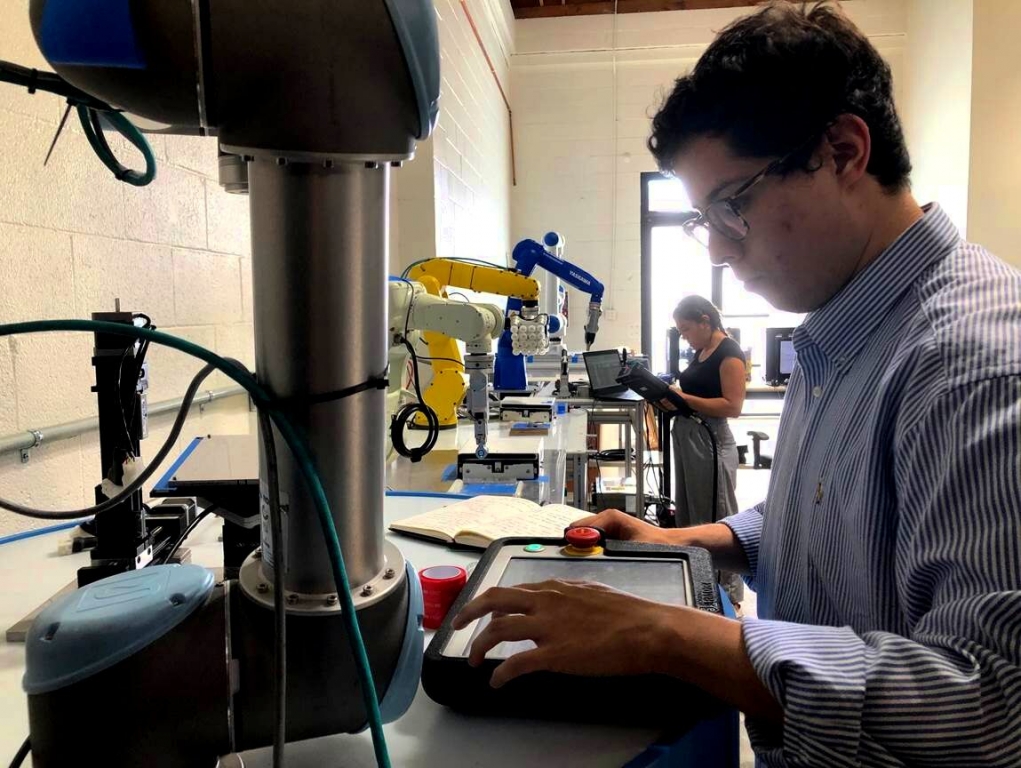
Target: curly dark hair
pixel 772 81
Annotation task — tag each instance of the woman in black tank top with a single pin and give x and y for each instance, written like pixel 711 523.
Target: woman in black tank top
pixel 713 385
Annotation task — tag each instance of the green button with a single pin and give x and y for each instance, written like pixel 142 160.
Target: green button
pixel 534 548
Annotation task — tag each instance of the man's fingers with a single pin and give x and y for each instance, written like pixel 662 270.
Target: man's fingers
pixel 507 629
pixel 587 522
pixel 605 520
pixel 519 664
pixel 499 599
pixel 542 586
pixel 556 585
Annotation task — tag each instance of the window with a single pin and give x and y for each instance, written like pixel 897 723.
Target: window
pixel 674 266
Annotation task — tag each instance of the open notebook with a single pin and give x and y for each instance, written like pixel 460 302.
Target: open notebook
pixel 480 521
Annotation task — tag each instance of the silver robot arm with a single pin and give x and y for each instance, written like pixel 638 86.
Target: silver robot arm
pixel 313 103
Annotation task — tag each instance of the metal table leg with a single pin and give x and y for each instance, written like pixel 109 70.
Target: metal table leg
pixel 639 425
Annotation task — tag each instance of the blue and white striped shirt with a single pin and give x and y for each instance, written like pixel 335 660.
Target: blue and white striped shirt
pixel 887 555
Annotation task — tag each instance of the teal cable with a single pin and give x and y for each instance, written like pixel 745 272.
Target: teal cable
pixel 305 462
pixel 89 119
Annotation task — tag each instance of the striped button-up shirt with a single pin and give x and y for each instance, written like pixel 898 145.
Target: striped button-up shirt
pixel 887 555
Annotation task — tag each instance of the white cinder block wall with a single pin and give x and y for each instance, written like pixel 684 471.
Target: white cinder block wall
pixel 454 197
pixel 72 239
pixel 585 89
pixel 940 96
pixel 472 141
pixel 994 191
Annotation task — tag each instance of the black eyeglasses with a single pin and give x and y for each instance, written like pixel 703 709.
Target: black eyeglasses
pixel 724 215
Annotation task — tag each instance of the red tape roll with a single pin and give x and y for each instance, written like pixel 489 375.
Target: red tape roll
pixel 441 584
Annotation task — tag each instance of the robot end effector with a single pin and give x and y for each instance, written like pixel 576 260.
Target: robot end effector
pixel 595 309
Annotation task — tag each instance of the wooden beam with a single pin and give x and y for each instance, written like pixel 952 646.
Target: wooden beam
pixel 597 7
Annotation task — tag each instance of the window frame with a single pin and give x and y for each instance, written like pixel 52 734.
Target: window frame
pixel 649 220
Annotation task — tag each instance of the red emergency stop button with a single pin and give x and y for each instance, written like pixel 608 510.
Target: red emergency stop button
pixel 583 537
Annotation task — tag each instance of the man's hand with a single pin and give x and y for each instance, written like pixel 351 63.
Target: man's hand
pixel 579 628
pixel 623 527
pixel 716 537
pixel 595 631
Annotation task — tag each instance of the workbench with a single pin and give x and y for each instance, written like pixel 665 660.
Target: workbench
pixel 428 736
pixel 563 448
pixel 628 413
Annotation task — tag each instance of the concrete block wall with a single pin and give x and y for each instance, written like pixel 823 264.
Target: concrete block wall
pixel 72 239
pixel 471 146
pixel 994 189
pixel 453 199
pixel 584 90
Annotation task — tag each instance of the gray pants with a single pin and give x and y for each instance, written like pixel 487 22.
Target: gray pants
pixel 693 481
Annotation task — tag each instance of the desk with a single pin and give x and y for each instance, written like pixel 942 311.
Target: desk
pixel 629 413
pixel 428 736
pixel 565 444
pixel 763 391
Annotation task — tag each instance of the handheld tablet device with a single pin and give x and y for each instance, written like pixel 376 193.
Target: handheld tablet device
pixel 667 574
pixel 639 379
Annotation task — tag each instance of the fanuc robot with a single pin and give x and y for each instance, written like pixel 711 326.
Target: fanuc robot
pixel 415 312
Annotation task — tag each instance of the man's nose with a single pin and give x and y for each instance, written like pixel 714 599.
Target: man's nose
pixel 722 250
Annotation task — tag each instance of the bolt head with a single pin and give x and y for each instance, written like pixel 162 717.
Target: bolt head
pixel 263 589
pixel 390 573
pixel 367 590
pixel 292 599
pixel 331 599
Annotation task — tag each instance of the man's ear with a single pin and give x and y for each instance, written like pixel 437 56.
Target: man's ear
pixel 851 147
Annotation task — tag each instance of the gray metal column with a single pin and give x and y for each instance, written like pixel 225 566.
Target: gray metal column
pixel 319 275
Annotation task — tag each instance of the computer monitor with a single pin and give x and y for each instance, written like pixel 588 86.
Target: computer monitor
pixel 603 369
pixel 780 355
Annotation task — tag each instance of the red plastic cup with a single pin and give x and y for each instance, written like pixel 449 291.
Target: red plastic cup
pixel 441 584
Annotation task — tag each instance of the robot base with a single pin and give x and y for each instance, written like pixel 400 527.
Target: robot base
pixel 182 701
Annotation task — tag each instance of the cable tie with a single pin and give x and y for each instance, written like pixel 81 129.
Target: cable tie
pixel 376 382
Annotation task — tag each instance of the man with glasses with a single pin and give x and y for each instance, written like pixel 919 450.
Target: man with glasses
pixel 887 554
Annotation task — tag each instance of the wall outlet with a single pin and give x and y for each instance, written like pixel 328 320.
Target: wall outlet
pixel 611 314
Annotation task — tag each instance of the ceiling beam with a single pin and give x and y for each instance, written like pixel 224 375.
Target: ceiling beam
pixel 624 6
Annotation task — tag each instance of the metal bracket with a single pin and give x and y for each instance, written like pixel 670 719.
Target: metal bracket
pixel 37 440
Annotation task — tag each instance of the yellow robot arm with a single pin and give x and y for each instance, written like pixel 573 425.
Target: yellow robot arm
pixel 448 386
pixel 437 274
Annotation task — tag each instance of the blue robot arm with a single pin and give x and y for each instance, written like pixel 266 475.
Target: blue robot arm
pixel 510 374
pixel 528 254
